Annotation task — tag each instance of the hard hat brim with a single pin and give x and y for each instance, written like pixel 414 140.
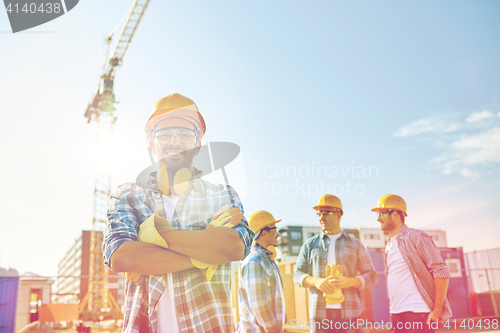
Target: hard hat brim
pixel 328 208
pixel 380 210
pixel 257 233
pixel 267 225
pixel 190 115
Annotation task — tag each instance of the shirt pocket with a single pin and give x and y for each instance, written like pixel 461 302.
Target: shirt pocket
pixel 349 263
pixel 270 277
pixel 196 221
pixel 317 263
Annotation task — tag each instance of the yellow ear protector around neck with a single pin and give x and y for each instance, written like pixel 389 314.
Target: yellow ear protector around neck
pixel 181 181
pixel 273 251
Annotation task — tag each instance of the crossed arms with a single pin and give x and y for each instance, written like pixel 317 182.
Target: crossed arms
pixel 124 253
pixel 213 246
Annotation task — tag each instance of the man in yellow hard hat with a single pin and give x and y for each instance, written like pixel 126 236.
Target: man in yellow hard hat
pixel 163 234
pixel 333 246
pixel 260 292
pixel 417 276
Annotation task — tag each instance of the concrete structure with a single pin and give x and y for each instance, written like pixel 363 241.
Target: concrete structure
pixel 308 232
pixel 289 243
pixel 73 272
pixel 75 263
pixel 372 238
pixel 34 290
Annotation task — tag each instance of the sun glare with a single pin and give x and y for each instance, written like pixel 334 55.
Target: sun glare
pixel 106 152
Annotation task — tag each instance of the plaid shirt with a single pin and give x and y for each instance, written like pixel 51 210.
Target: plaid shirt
pixel 352 255
pixel 201 305
pixel 425 263
pixel 260 293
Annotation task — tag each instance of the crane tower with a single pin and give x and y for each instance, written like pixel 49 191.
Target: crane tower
pixel 98 303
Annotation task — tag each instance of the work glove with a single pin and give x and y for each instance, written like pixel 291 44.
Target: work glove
pixel 337 296
pixel 224 218
pixel 148 233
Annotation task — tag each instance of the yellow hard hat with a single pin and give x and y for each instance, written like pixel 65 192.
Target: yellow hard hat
pixel 259 220
pixel 180 109
pixel 391 202
pixel 330 203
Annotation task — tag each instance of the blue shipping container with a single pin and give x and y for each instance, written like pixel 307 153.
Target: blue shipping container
pixel 380 301
pixel 458 288
pixel 9 284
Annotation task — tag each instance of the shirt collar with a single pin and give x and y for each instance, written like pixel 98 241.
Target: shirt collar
pixel 342 233
pixel 324 238
pixel 401 232
pixel 260 249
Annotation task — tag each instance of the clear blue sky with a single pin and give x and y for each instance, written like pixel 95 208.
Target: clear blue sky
pixel 407 90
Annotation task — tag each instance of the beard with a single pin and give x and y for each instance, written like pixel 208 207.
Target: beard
pixel 388 225
pixel 181 159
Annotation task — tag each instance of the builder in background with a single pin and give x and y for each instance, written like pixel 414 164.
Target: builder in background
pixel 333 246
pixel 168 288
pixel 260 292
pixel 417 276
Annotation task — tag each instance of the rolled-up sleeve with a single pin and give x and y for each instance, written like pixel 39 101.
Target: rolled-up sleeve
pixel 365 266
pixel 430 255
pixel 124 219
pixel 243 230
pixel 302 268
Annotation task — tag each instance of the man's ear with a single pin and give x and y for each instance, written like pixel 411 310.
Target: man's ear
pixel 394 217
pixel 264 233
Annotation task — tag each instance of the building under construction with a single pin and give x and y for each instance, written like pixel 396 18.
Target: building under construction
pixel 74 270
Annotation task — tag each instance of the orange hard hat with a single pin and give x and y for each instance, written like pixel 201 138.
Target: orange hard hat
pixel 390 202
pixel 329 202
pixel 180 109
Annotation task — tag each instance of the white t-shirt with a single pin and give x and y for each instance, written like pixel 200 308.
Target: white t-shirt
pixel 331 260
pixel 167 317
pixel 403 292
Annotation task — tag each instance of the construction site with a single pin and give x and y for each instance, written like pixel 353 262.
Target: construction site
pixel 473 290
pixel 85 296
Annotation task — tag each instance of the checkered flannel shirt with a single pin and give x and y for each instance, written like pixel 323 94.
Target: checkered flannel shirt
pixel 352 255
pixel 259 293
pixel 425 263
pixel 201 305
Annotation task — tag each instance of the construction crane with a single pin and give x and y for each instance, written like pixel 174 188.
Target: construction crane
pixel 98 303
